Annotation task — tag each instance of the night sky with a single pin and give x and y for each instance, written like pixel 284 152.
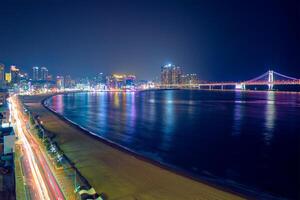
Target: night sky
pixel 219 40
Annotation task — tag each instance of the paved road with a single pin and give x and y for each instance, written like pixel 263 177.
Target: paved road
pixel 40 179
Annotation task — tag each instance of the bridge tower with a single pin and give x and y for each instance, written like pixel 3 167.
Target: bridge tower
pixel 270 79
pixel 243 86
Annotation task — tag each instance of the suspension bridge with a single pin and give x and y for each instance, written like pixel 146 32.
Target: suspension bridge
pixel 269 78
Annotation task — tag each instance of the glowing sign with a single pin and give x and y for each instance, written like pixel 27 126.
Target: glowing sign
pixel 8 77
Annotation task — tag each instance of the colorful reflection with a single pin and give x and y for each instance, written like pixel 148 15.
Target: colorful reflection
pixel 270 117
pixel 196 131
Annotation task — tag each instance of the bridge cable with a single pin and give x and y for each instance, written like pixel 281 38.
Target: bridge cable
pixel 259 77
pixel 288 77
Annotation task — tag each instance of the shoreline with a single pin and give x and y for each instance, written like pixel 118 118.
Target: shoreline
pixel 128 152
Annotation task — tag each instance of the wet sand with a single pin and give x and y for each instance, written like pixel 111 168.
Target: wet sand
pixel 118 174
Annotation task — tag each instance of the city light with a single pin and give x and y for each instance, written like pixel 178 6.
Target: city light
pixel 43 184
pixel 149 100
pixel 39 182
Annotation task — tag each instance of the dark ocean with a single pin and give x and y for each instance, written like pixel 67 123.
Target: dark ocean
pixel 245 141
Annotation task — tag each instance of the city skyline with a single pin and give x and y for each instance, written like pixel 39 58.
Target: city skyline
pixel 149 99
pixel 170 76
pixel 42 73
pixel 127 37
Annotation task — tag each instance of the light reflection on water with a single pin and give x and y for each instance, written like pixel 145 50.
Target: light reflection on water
pixel 238 113
pixel 233 136
pixel 102 112
pixel 270 117
pixel 116 99
pixel 129 101
pixel 168 118
pixel 58 103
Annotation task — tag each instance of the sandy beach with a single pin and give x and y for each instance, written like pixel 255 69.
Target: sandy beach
pixel 118 174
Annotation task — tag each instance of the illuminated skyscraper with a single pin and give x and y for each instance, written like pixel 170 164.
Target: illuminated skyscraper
pixel 170 74
pixel 35 73
pixel 68 81
pixel 130 81
pixel 15 74
pixel 189 79
pixel 60 82
pixel 100 78
pixel 44 73
pixel 116 81
pixel 121 81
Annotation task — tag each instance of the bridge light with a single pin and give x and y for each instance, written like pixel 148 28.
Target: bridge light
pixel 238 86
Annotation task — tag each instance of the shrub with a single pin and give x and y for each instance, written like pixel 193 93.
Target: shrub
pixel 32 122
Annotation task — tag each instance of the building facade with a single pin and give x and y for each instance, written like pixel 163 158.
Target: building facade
pixel 171 74
pixel 121 81
pixel 190 79
pixel 60 82
pixel 35 73
pixel 44 74
pixel 69 83
pixel 15 74
pixel 100 78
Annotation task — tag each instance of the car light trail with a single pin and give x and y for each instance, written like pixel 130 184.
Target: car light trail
pixel 38 180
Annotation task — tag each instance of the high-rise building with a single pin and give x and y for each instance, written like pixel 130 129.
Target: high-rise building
pixel 2 77
pixel 121 81
pixel 100 78
pixel 170 74
pixel 189 79
pixel 115 81
pixel 68 81
pixel 60 82
pixel 15 74
pixel 130 81
pixel 44 73
pixel 35 73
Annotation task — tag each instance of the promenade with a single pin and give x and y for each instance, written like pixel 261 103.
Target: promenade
pixel 116 173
